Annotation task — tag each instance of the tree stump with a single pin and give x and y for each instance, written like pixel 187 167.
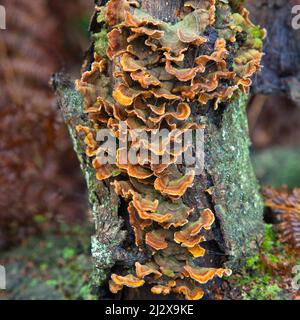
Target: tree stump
pixel 227 186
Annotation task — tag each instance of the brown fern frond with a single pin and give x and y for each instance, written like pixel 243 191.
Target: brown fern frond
pixel 285 206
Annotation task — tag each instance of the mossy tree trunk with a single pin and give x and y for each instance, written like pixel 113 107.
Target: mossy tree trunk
pixel 228 175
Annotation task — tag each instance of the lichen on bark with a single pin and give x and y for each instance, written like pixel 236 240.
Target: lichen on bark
pixel 104 204
pixel 235 193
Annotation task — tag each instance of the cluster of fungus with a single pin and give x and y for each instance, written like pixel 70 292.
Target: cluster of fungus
pixel 151 76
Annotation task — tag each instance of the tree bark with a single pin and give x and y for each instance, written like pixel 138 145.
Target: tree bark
pixel 228 174
pixel 281 64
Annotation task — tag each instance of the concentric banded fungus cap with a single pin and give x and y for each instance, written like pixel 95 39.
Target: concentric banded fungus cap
pixel 203 275
pixel 159 289
pixel 157 239
pixel 146 270
pixel 190 294
pixel 189 235
pixel 128 281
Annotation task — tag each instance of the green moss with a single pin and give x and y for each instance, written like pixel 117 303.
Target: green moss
pixel 254 34
pixel 256 280
pixel 238 19
pixel 100 38
pixel 101 42
pixel 264 291
pixel 228 14
pixel 101 15
pixel 269 244
pixel 61 266
pixel 255 37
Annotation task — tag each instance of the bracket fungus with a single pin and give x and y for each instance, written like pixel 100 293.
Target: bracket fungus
pixel 156 84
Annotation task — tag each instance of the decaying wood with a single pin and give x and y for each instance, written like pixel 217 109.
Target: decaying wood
pixel 228 175
pixel 104 202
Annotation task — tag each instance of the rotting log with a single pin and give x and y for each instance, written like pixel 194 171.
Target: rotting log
pixel 227 185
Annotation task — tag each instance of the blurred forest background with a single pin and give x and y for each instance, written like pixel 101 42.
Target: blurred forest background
pixel 39 172
pixel 44 220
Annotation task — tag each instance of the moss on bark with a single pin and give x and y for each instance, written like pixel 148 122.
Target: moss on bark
pixel 235 191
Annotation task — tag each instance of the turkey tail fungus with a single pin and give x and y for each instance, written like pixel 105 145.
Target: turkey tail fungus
pixel 165 229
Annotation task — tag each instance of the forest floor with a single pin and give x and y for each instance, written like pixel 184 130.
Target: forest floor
pixel 267 275
pixel 57 264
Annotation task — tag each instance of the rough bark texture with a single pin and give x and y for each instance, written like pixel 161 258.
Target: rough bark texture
pixel 228 173
pixel 104 202
pixel 281 72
